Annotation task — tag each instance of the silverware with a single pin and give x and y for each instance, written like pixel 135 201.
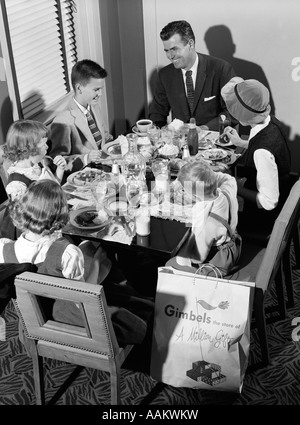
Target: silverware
pixel 124 223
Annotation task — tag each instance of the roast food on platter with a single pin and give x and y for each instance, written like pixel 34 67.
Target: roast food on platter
pixel 90 218
pixel 87 177
pixel 213 154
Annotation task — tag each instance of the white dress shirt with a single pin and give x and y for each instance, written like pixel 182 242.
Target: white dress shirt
pixel 267 173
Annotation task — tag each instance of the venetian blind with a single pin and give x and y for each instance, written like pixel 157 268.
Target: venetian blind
pixel 43 51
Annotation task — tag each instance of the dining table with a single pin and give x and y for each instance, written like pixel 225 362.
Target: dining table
pixel 170 224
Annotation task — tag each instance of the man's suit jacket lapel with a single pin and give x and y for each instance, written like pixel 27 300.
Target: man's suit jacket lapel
pixel 201 77
pixel 81 123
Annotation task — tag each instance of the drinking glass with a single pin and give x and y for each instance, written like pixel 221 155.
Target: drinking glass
pixel 166 135
pixel 99 191
pixel 154 135
pixel 133 193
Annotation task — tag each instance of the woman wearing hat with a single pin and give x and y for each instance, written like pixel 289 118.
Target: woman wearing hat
pixel 263 179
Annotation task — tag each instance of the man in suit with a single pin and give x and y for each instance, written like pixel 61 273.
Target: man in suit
pixel 209 75
pixel 71 133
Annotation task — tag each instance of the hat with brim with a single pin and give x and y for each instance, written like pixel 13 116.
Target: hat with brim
pixel 247 100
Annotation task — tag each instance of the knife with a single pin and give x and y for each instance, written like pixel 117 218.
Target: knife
pixel 125 225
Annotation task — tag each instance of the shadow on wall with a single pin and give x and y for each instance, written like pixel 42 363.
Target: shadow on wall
pixel 219 43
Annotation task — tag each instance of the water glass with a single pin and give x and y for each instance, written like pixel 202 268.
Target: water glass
pixel 166 135
pixel 154 134
pixel 99 191
pixel 133 193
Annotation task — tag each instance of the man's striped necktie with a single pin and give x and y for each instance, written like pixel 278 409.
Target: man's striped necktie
pixel 189 89
pixel 94 129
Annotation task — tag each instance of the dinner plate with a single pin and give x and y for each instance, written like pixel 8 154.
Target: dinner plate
pixel 86 177
pixel 83 218
pixel 223 145
pixel 213 154
pixel 113 149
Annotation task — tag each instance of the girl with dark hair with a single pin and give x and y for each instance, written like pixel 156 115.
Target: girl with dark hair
pixel 41 214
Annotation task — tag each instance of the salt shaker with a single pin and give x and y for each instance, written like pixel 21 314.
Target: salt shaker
pixel 186 153
pixel 115 168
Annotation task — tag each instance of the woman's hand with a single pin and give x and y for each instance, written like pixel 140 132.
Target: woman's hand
pixel 234 138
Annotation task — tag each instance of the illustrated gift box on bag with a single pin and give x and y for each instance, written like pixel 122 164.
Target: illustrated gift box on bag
pixel 209 373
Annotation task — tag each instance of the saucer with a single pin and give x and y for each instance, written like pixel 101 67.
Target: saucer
pixel 136 131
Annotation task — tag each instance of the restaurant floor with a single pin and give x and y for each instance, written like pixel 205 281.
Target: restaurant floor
pixel 277 384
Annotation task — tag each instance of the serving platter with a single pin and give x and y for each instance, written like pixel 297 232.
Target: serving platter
pixel 89 218
pixel 113 149
pixel 213 154
pixel 86 177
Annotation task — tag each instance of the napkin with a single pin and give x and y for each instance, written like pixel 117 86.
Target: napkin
pixel 172 211
pixel 123 143
pixel 80 203
pixel 120 236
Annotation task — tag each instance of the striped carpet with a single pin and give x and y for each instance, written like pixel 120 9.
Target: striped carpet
pixel 276 384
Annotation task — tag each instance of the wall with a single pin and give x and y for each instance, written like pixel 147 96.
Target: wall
pixel 124 59
pixel 259 37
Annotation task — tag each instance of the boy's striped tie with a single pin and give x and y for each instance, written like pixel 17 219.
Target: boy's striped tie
pixel 94 129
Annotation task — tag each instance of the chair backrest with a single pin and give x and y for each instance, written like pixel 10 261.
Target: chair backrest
pixel 96 335
pixel 280 237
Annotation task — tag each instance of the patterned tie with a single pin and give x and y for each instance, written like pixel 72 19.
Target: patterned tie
pixel 94 129
pixel 189 88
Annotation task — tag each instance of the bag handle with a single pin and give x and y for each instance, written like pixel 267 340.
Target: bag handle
pixel 210 266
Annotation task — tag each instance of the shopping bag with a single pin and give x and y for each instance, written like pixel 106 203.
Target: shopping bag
pixel 201 335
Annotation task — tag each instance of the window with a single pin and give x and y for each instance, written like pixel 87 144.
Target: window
pixel 40 46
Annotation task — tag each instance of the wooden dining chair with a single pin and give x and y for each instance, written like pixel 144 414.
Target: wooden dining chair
pixel 271 264
pixel 94 345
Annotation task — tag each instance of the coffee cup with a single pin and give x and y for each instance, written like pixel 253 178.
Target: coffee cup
pixel 143 125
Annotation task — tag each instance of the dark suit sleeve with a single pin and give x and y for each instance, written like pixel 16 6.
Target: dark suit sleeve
pixel 59 139
pixel 159 107
pixel 60 143
pixel 226 73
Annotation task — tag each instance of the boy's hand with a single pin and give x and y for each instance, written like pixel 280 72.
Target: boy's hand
pixel 94 156
pixel 60 162
pixel 234 138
